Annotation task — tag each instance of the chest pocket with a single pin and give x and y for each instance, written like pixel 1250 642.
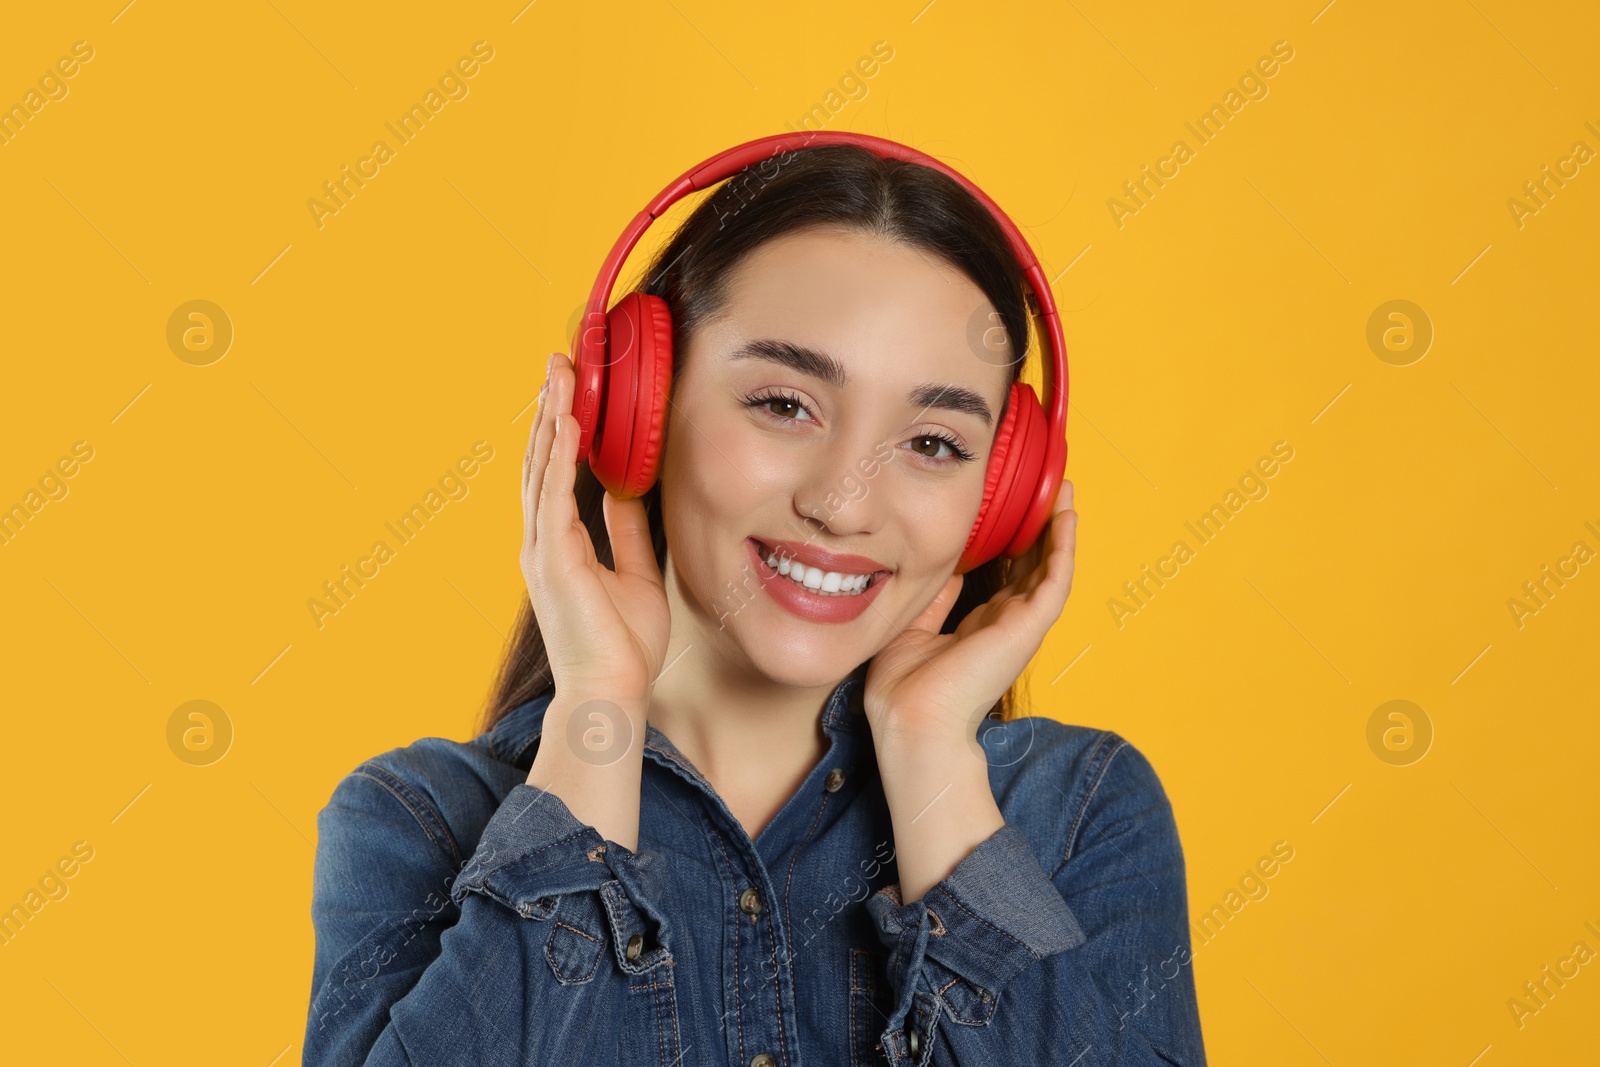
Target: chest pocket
pixel 574 954
pixel 869 1006
pixel 634 978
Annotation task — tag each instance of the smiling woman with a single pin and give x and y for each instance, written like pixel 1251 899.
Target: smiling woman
pixel 811 827
pixel 836 343
pixel 837 259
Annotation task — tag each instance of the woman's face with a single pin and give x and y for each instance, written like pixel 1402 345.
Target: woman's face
pixel 827 407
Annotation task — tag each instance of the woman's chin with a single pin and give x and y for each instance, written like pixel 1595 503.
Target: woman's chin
pixel 789 656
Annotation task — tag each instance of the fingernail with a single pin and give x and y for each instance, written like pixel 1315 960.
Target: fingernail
pixel 550 366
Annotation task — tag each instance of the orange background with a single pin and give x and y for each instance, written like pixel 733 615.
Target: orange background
pixel 1228 313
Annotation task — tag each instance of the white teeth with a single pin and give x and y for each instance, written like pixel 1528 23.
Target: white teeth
pixel 829 583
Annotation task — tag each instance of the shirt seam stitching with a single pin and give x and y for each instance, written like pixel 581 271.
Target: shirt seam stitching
pixel 738 1019
pixel 398 790
pixel 794 859
pixel 958 902
pixel 1094 789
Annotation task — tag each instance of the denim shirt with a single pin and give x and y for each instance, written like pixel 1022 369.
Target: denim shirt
pixel 463 916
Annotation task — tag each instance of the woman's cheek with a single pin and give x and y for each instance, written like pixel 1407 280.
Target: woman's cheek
pixel 943 518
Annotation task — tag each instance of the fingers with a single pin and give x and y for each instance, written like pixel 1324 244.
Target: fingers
pixel 558 508
pixel 1058 546
pixel 538 459
pixel 1067 538
pixel 631 549
pixel 933 616
pixel 1050 558
pixel 1061 564
pixel 532 462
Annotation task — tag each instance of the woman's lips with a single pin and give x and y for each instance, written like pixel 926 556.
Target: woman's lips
pixel 802 602
pixel 813 555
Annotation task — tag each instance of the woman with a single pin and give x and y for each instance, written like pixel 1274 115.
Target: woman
pixel 752 789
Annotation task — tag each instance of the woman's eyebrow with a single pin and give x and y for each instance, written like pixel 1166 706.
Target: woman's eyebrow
pixel 820 365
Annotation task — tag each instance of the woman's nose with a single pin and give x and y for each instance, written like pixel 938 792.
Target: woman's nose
pixel 842 488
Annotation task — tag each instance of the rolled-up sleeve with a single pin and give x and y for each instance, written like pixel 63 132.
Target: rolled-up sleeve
pixel 424 956
pixel 1006 962
pixel 534 850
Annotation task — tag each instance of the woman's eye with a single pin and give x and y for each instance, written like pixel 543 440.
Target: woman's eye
pixel 788 409
pixel 785 408
pixel 956 452
pixel 779 405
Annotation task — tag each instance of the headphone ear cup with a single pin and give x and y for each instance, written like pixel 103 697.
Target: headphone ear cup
pixel 654 371
pixel 637 376
pixel 1013 472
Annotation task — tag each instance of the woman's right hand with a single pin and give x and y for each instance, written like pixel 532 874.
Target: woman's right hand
pixel 605 631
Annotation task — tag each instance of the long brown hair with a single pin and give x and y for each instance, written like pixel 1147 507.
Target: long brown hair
pixel 840 186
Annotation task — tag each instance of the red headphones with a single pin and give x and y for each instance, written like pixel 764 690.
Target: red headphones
pixel 623 360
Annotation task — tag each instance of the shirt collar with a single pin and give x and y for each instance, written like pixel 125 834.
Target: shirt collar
pixel 512 738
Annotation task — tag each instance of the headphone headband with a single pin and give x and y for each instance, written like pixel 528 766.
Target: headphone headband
pixel 590 348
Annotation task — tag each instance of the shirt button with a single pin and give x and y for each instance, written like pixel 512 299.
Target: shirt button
pixel 914 1042
pixel 635 947
pixel 835 780
pixel 763 1060
pixel 750 904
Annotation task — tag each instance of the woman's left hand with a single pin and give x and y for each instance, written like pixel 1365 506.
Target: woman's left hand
pixel 931 688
